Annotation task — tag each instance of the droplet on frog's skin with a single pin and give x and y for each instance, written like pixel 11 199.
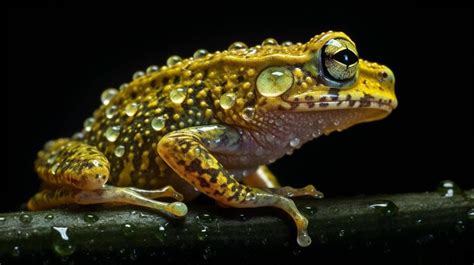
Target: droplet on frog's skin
pixel 152 69
pixel 16 251
pixel 248 113
pixel 78 136
pixel 448 188
pixel 111 111
pixel 172 60
pixel 178 95
pixel 200 53
pixel 91 218
pixel 303 239
pixel 274 81
pixel 287 43
pixel 309 210
pixel 137 75
pixel 158 123
pixel 269 42
pixel 107 95
pixel 386 207
pixel 227 100
pixel 119 151
pixel 2 219
pixel 237 46
pixel 123 86
pixel 131 109
pixel 26 218
pixel 295 142
pixel 112 133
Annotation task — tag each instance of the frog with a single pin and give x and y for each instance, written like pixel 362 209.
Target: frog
pixel 211 124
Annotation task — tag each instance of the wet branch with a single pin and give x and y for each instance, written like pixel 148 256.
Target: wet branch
pixel 108 235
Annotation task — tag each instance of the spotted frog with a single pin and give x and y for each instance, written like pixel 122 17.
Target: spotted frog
pixel 211 124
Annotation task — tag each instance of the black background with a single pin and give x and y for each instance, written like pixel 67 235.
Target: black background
pixel 60 60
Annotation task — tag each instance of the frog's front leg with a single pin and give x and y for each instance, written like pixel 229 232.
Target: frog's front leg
pixel 75 172
pixel 190 153
pixel 263 178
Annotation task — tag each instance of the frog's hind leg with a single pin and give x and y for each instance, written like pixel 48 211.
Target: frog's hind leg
pixel 189 153
pixel 75 172
pixel 263 178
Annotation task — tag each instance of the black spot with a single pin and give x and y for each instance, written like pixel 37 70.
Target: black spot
pixel 323 104
pixel 240 79
pixel 203 182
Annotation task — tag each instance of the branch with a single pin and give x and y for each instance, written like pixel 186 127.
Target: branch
pixel 111 235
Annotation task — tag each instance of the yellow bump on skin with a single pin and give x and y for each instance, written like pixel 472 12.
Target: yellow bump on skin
pixel 201 94
pixel 141 182
pixel 189 101
pixel 176 116
pixel 246 85
pixel 203 104
pixel 125 178
pixel 250 95
pixel 211 74
pixel 298 73
pixel 251 72
pixel 145 161
pixel 217 90
pixel 208 113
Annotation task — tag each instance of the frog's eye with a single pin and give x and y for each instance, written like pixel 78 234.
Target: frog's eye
pixel 339 61
pixel 274 81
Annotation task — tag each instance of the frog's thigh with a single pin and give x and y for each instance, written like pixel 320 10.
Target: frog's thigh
pixel 264 178
pixel 188 152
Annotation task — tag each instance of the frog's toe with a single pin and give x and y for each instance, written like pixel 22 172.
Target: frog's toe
pixel 312 191
pixel 178 209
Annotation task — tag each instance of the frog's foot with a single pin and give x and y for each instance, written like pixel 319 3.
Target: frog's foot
pixel 50 198
pixel 290 192
pixel 167 191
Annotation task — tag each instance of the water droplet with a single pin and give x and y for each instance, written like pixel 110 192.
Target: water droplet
pixel 269 42
pixel 158 123
pixel 386 207
pixel 78 136
pixel 243 217
pixel 341 233
pixel 203 233
pixel 49 216
pixel 294 142
pixel 2 219
pixel 308 210
pixel 237 46
pixel 200 53
pixel 62 246
pixel 91 218
pixel 205 218
pixel 88 124
pixel 274 81
pixel 248 113
pixel 137 75
pixel 128 229
pixel 112 133
pixel 316 134
pixel 296 251
pixel 459 226
pixel 107 95
pixel 227 100
pixel 16 251
pixel 287 43
pixel 152 68
pixel 448 188
pixel 178 95
pixel 303 239
pixel 111 111
pixel 26 218
pixel 172 60
pixel 123 86
pixel 161 234
pixel 119 151
pixel 131 109
pixel 470 214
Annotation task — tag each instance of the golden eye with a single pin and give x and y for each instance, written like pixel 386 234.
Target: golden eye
pixel 339 59
pixel 274 81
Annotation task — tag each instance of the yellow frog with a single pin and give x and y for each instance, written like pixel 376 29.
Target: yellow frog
pixel 211 123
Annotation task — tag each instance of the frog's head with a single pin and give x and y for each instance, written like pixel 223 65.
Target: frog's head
pixel 326 76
